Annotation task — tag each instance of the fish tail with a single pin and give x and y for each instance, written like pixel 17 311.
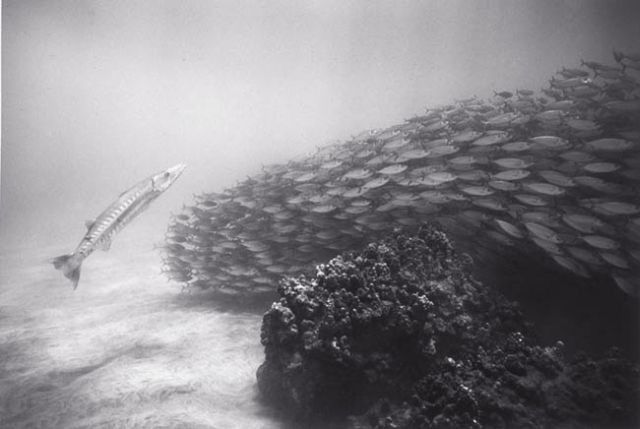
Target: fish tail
pixel 70 267
pixel 619 57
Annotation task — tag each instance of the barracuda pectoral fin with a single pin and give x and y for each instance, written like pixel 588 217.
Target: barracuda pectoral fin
pixel 89 223
pixel 104 245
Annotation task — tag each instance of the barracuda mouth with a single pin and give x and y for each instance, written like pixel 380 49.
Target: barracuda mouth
pixel 162 181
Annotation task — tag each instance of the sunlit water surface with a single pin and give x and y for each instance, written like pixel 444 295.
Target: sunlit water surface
pixel 126 349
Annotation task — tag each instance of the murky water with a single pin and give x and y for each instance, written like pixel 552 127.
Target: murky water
pixel 125 349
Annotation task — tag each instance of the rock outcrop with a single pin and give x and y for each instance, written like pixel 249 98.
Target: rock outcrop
pixel 400 335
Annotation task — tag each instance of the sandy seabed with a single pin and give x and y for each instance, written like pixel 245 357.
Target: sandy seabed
pixel 126 349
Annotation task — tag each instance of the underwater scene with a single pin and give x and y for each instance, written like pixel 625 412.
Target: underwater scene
pixel 320 216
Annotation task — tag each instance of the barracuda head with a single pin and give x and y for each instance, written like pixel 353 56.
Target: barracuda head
pixel 164 179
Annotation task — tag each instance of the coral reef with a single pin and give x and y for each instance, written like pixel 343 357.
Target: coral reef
pixel 400 335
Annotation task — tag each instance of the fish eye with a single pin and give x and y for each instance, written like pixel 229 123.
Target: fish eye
pixel 166 175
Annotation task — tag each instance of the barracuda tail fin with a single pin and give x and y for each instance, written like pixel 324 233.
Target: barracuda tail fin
pixel 70 266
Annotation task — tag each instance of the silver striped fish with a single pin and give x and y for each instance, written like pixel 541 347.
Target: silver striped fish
pixel 100 231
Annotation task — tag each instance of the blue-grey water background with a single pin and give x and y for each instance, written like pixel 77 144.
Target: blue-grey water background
pixel 97 95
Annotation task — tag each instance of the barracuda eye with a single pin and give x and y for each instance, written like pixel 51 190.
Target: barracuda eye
pixel 165 175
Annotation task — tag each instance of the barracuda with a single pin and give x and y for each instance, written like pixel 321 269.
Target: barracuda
pixel 100 231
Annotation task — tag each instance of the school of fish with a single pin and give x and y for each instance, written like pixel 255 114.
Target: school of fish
pixel 554 173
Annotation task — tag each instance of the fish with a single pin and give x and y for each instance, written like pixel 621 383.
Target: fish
pixel 601 242
pixel 361 203
pixel 325 208
pixel 491 139
pixel 577 156
pixel 613 208
pixel 557 178
pixel 283 215
pixel 273 209
pixel 572 72
pixel 255 246
pixel 547 246
pixel 423 171
pixel 473 175
pixel 478 191
pixel 376 183
pixel 602 186
pixel 571 265
pixel 365 153
pixel 519 146
pixel 442 176
pixel 609 145
pixel 635 254
pixel 524 92
pixel 423 181
pixel 436 126
pixel 628 106
pixel 531 200
pixel 628 284
pixel 620 56
pixel 556 170
pixel 463 160
pixel 542 232
pixel 357 174
pixel 498 238
pixel 509 228
pixel 114 218
pixel 544 188
pixel 412 154
pixel 550 115
pixel 355 192
pixel 318 198
pixel 551 142
pixel 378 160
pixel 330 165
pixel 393 169
pixel 633 231
pixel 584 91
pixel 562 105
pixel 515 174
pixel 395 144
pixel 584 223
pixel 305 177
pixel 356 210
pixel 502 120
pixel 584 255
pixel 569 82
pixel 442 151
pixel 489 203
pixel 513 163
pixel 503 185
pixel 504 94
pixel 435 197
pixel 387 134
pixel 466 136
pixel 601 167
pixel 616 260
pixel 366 135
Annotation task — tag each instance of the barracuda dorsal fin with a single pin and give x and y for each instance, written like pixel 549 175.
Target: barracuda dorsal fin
pixel 89 223
pixel 104 245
